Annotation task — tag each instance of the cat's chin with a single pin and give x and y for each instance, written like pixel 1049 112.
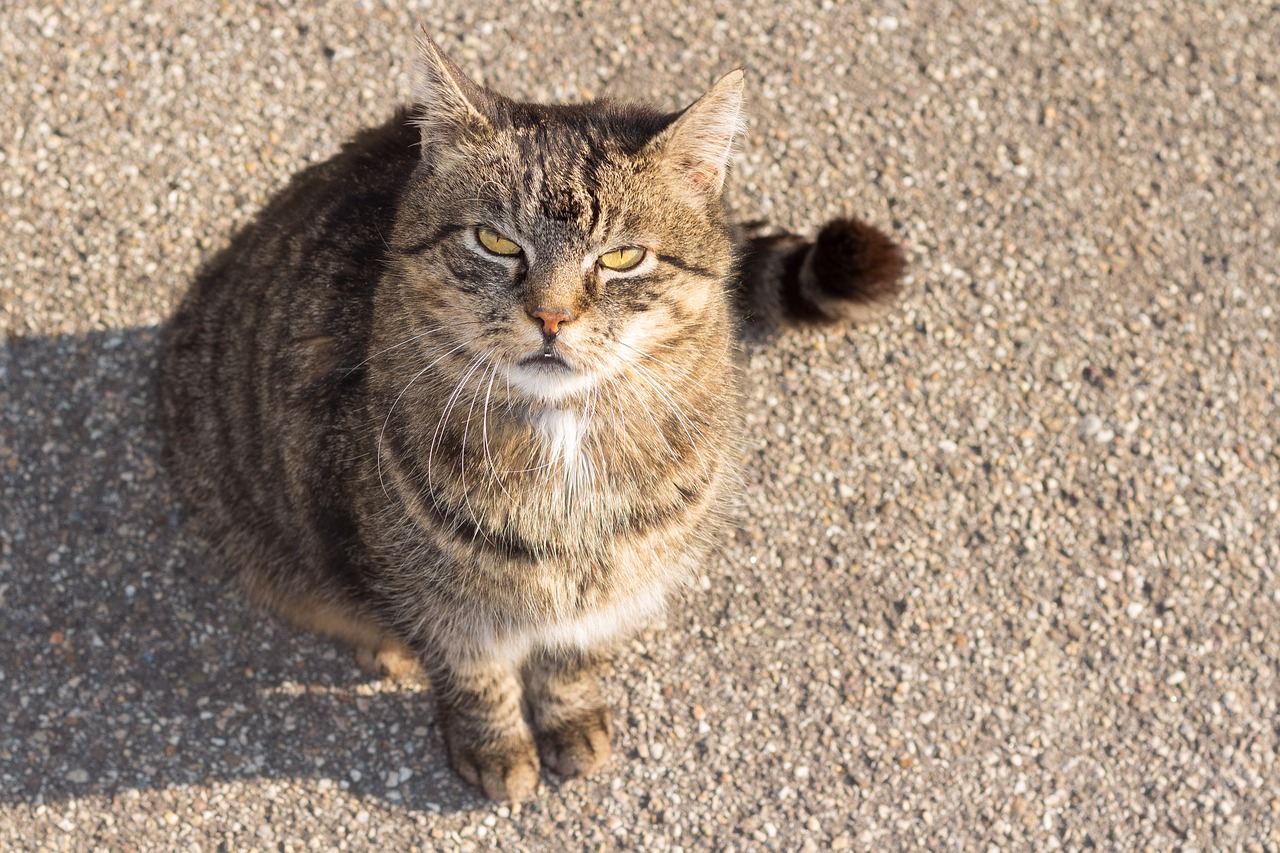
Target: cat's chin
pixel 548 381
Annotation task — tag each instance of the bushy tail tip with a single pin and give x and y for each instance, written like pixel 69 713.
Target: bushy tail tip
pixel 850 273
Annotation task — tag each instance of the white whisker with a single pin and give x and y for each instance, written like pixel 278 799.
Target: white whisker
pixel 484 432
pixel 387 420
pixel 444 416
pixel 662 394
pixel 635 394
pixel 462 453
pixel 661 363
pixel 407 340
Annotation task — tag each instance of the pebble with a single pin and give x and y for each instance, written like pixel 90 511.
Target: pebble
pixel 1090 426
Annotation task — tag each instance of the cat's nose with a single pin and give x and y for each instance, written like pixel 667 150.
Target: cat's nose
pixel 551 319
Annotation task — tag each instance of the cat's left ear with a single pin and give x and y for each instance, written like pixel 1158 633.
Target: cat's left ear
pixel 446 100
pixel 700 142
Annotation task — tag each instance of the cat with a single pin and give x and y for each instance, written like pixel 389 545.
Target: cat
pixel 466 395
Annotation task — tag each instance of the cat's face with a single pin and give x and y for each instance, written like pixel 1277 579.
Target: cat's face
pixel 555 250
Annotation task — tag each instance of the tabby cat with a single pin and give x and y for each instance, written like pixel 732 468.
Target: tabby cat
pixel 466 394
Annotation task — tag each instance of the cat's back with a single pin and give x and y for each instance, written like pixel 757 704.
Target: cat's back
pixel 261 361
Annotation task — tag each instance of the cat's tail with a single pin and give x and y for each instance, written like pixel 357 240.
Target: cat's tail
pixel 850 273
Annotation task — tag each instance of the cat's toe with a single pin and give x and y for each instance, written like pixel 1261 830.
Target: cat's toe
pixel 503 771
pixel 580 746
pixel 396 662
pixel 510 783
pixel 391 659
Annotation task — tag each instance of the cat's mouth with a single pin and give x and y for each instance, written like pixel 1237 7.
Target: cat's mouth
pixel 547 375
pixel 547 359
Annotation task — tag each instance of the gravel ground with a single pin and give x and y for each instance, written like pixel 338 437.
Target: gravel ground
pixel 1006 569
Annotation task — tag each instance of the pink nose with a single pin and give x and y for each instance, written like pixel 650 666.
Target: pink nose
pixel 551 319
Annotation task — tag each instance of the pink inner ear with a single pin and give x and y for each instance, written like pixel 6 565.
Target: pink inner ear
pixel 702 138
pixel 706 178
pixel 702 163
pixel 705 175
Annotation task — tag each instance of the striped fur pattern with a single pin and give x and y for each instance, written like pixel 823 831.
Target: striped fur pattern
pixel 850 273
pixel 490 463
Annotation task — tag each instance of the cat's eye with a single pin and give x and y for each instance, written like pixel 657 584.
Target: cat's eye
pixel 496 243
pixel 623 259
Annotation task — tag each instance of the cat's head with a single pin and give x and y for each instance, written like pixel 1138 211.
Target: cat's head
pixel 565 247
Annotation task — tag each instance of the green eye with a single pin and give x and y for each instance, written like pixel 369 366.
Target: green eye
pixel 496 243
pixel 622 259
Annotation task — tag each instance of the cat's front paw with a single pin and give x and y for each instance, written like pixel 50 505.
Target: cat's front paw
pixel 504 770
pixel 579 746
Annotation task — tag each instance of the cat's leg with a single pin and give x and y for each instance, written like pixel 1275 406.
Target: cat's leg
pixel 570 718
pixel 485 734
pixel 377 650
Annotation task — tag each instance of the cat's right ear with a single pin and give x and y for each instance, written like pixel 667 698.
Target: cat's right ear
pixel 446 101
pixel 699 143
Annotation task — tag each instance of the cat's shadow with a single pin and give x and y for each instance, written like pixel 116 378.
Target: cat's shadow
pixel 128 661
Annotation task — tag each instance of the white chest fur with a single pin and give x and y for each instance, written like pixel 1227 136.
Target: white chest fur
pixel 589 629
pixel 563 432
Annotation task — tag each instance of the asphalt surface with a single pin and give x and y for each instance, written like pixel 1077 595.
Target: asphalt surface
pixel 1005 575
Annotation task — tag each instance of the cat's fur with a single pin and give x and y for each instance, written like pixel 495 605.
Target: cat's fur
pixel 493 466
